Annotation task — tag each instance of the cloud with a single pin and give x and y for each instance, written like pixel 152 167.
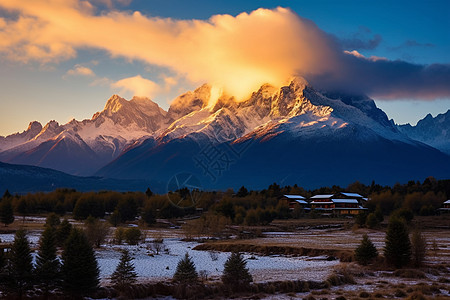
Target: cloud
pixel 236 53
pixel 359 55
pixel 138 86
pixel 410 44
pixel 360 41
pixel 80 70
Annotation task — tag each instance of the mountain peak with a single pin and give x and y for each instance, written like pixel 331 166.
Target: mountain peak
pixel 114 103
pixel 298 83
pixel 34 126
pixel 190 101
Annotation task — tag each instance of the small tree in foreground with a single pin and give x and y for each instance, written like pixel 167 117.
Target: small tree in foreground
pixel 419 248
pixel 185 272
pixel 20 264
pixel 124 275
pixel 398 247
pixel 47 263
pixel 62 232
pixel 235 272
pixel 366 251
pixel 80 270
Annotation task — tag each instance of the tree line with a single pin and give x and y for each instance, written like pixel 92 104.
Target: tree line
pixel 241 207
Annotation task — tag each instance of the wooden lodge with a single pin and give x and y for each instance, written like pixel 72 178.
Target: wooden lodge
pixel 445 207
pixel 336 204
pixel 296 201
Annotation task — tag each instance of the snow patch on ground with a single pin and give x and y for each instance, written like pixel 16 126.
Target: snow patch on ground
pixel 163 265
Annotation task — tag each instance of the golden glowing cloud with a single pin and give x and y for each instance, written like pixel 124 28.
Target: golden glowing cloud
pixel 235 53
pixel 80 70
pixel 137 85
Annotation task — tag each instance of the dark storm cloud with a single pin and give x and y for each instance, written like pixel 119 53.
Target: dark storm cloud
pixel 386 79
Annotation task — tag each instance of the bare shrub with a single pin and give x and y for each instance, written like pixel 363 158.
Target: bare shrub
pixel 203 274
pixel 418 248
pixel 119 235
pixel 364 295
pixel 409 273
pixel 157 246
pixel 214 255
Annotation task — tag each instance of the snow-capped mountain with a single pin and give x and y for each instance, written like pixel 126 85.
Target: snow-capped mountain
pixel 81 147
pixel 292 133
pixel 432 131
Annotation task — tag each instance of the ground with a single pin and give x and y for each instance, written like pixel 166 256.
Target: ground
pixel 314 248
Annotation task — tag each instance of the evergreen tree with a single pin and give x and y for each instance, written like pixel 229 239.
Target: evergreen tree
pixel 236 273
pixel 20 264
pixel 379 213
pixel 114 219
pixel 419 247
pixel 7 194
pixel 185 272
pixel 124 275
pixel 371 220
pixel 148 215
pixel 52 220
pixel 243 192
pixel 22 208
pixel 47 263
pixel 366 251
pixel 63 232
pixel 80 272
pixel 149 192
pixel 397 250
pixel 6 211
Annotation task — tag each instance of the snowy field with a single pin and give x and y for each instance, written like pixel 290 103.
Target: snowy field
pixel 163 265
pixel 153 267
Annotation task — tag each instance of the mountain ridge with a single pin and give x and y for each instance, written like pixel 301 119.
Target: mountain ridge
pixel 136 139
pixel 431 131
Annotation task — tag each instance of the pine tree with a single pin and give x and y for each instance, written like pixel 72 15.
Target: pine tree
pixel 20 265
pixel 366 251
pixel 149 192
pixel 243 192
pixel 185 272
pixel 63 232
pixel 124 275
pixel 52 220
pixel 397 250
pixel 6 211
pixel 80 272
pixel 47 263
pixel 7 194
pixel 235 272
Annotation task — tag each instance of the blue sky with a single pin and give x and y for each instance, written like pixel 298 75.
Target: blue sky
pixel 74 79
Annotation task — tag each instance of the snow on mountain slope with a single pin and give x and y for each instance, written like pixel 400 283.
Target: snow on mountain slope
pixel 269 107
pixel 432 131
pixel 81 147
pixel 293 134
pixel 8 142
pixel 138 139
pixel 189 102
